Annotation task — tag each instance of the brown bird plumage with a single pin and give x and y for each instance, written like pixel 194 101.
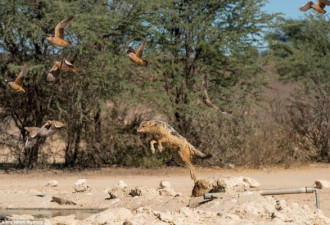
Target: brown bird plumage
pixel 319 7
pixel 58 66
pixel 136 57
pixel 50 128
pixel 58 39
pixel 32 136
pixel 207 101
pixel 17 84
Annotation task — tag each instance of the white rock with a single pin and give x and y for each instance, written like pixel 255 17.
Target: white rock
pixel 52 183
pixel 322 184
pixel 252 182
pixel 122 184
pixel 81 185
pixel 80 182
pixel 117 192
pixel 165 184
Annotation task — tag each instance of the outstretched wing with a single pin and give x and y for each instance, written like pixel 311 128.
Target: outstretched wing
pixel 20 76
pixel 53 73
pixel 220 109
pixel 59 29
pixel 324 2
pixel 57 124
pixel 207 100
pixel 33 131
pixel 307 6
pixel 141 47
pixel 70 66
pixel 43 131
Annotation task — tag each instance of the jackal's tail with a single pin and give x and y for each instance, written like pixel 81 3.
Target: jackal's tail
pixel 196 152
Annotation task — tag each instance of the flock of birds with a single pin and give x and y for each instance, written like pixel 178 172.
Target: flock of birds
pixel 51 126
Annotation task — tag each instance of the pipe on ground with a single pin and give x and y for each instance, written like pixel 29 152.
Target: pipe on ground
pixel 281 191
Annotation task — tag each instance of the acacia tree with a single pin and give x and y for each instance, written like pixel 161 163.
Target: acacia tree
pixel 213 37
pixel 302 51
pixel 186 39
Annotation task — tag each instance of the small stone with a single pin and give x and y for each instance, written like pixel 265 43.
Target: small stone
pixel 81 186
pixel 201 187
pixel 122 184
pixel 252 182
pixel 117 192
pixel 322 184
pixel 136 192
pixel 52 183
pixel 62 200
pixel 165 184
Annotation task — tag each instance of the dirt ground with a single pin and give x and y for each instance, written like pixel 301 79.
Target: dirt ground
pixel 21 189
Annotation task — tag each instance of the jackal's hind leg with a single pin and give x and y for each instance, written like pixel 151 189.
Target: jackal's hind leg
pixel 152 147
pixel 186 159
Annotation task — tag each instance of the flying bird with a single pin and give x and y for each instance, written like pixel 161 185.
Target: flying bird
pixel 58 39
pixel 63 65
pixel 32 136
pixel 136 57
pixel 50 128
pixel 207 101
pixel 16 85
pixel 319 7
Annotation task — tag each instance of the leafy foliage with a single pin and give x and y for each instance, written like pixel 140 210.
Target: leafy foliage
pixel 186 39
pixel 303 51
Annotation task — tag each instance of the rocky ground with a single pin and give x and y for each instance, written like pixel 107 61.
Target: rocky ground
pixel 163 196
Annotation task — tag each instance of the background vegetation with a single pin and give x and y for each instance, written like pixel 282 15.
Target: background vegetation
pixel 103 104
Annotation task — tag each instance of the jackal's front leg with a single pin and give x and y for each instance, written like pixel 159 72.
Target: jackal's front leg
pixel 160 146
pixel 152 147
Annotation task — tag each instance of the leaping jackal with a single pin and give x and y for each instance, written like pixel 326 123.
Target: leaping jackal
pixel 164 133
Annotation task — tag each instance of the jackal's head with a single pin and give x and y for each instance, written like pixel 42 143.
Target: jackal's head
pixel 146 126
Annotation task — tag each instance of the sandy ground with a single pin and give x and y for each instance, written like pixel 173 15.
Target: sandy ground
pixel 21 189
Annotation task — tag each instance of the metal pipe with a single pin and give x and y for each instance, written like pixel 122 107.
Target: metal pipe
pixel 281 191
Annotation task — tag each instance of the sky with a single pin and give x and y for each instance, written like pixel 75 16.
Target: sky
pixel 290 8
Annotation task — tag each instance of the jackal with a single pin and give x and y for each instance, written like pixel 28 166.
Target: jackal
pixel 164 133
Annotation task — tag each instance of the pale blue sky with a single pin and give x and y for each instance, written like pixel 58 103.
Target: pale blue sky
pixel 290 8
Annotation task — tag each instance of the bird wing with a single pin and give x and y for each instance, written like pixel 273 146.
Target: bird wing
pixel 33 131
pixel 307 6
pixel 70 66
pixel 20 76
pixel 57 124
pixel 141 47
pixel 207 100
pixel 220 109
pixel 43 131
pixel 323 3
pixel 59 29
pixel 53 73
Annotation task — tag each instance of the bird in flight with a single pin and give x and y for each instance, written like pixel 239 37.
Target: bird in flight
pixel 17 84
pixel 32 136
pixel 63 65
pixel 136 57
pixel 58 39
pixel 319 7
pixel 50 128
pixel 207 101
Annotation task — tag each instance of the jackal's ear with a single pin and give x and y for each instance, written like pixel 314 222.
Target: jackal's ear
pixel 152 123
